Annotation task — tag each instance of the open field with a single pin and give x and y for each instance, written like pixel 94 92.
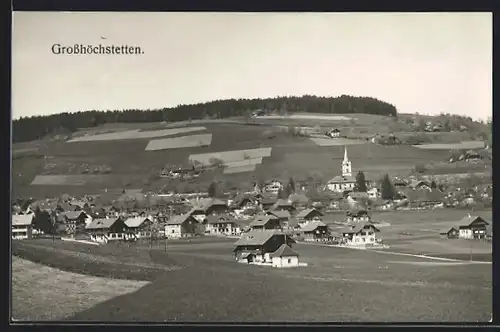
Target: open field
pixel 336 142
pixel 179 142
pixel 340 285
pixel 452 146
pixel 321 117
pixel 119 261
pixel 136 134
pixel 231 156
pixel 77 180
pixel 246 162
pixel 283 156
pixel 240 169
pixel 42 293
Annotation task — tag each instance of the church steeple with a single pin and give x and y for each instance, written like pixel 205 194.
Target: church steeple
pixel 346 165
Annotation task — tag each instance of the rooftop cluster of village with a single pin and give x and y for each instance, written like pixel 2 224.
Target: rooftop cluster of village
pixel 266 221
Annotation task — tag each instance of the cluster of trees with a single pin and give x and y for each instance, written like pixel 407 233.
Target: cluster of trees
pixel 37 127
pixel 287 190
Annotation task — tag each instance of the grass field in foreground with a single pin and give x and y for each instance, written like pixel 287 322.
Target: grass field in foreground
pixel 338 285
pixel 42 293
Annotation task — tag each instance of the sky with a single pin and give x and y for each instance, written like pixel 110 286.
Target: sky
pixel 419 62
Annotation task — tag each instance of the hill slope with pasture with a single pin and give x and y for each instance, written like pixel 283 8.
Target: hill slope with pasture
pixel 133 155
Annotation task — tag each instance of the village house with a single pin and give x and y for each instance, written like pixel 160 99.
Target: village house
pixel 299 201
pixel 26 211
pixel 181 226
pixel 420 185
pixel 449 232
pixel 283 205
pixel 315 231
pixel 472 155
pixel 104 230
pixel 223 225
pixel 373 193
pixel 243 202
pixel 72 222
pixel 472 227
pixel 356 197
pixel 138 227
pixel 344 182
pixel 215 206
pixel 355 216
pixel 424 198
pixel 283 217
pixel 362 233
pixel 267 202
pixel 257 246
pixel 399 183
pixel 284 257
pixel 308 215
pixel 333 133
pixel 79 205
pixel 22 226
pixel 198 213
pixel 273 187
pixel 265 222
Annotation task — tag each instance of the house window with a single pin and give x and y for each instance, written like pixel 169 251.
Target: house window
pixel 289 260
pixel 363 233
pixel 113 235
pixel 173 231
pixel 370 233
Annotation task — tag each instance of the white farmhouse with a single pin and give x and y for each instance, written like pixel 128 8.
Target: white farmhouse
pixel 22 226
pixel 284 257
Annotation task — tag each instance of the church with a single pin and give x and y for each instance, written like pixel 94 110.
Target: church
pixel 344 182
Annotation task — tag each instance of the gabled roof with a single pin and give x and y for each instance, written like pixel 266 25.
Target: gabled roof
pixel 358 194
pixel 214 201
pixel 280 214
pixel 196 209
pixel 312 226
pixel 284 251
pixel 268 200
pixel 22 220
pixel 448 229
pixel 434 195
pixel 358 227
pixel 306 212
pixel 256 238
pixel 71 215
pixel 219 219
pixel 415 183
pixel 261 220
pixel 178 219
pixel 80 204
pixel 283 202
pixel 299 198
pixel 101 223
pixel 468 220
pixel 135 222
pixel 342 179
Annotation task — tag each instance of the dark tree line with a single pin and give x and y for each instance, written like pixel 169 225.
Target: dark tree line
pixel 36 127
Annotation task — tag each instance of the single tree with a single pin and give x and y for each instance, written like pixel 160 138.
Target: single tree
pixel 212 189
pixel 387 189
pixel 282 194
pixel 291 185
pixel 433 184
pixel 42 221
pixel 360 182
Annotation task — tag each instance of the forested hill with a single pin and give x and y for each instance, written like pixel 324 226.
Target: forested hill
pixel 32 128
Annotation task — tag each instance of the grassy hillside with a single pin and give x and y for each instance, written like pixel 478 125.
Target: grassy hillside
pixel 128 165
